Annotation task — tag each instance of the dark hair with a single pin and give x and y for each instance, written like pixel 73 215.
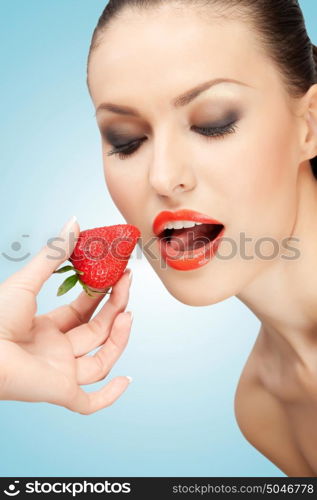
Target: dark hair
pixel 278 24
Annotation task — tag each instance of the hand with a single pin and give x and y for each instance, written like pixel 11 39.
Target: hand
pixel 44 358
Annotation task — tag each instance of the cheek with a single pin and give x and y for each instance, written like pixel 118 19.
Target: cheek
pixel 125 189
pixel 118 189
pixel 261 177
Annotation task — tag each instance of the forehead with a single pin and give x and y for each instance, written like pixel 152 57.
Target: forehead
pixel 160 53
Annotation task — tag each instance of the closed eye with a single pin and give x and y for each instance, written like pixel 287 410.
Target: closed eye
pixel 126 150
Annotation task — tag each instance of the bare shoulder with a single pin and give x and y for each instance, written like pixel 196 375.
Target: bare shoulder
pixel 263 421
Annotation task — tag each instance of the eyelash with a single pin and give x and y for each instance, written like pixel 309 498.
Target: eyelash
pixel 124 151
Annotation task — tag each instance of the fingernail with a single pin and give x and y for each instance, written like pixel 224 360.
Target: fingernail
pixel 129 378
pixel 131 315
pixel 67 226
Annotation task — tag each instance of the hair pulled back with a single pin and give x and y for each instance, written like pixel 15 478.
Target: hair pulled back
pixel 279 25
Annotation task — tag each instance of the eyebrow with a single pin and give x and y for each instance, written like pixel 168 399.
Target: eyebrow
pixel 177 102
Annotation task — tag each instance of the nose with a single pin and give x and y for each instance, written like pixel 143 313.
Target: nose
pixel 170 172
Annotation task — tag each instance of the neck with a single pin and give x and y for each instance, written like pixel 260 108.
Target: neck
pixel 284 296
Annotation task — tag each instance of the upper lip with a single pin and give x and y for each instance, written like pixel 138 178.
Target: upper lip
pixel 163 217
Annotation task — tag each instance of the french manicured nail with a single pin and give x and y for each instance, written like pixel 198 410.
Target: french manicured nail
pixel 67 226
pixel 129 378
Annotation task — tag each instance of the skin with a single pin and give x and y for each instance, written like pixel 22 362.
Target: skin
pixel 43 358
pixel 257 181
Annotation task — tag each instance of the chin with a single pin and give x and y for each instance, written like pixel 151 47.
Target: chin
pixel 195 297
pixel 209 284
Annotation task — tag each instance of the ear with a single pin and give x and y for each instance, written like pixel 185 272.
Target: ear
pixel 309 124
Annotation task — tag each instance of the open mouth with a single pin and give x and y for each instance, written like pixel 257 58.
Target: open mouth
pixel 186 239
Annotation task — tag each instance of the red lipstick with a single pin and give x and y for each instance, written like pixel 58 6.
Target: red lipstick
pixel 187 259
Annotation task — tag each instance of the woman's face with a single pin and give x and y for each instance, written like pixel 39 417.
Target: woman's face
pixel 245 179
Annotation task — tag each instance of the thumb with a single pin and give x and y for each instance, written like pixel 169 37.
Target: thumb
pixel 34 274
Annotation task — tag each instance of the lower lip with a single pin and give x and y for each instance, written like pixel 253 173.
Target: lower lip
pixel 191 259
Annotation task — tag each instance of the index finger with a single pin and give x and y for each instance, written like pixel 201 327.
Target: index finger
pixel 34 274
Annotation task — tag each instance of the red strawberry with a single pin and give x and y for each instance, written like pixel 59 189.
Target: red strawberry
pixel 100 258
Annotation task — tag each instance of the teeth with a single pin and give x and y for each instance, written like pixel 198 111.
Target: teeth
pixel 189 223
pixel 179 224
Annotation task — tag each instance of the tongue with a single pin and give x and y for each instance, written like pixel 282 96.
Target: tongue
pixel 192 237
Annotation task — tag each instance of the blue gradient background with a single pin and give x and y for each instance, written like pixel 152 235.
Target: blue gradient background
pixel 177 417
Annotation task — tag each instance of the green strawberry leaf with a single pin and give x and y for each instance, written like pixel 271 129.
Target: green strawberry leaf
pixel 67 284
pixel 64 269
pixel 68 268
pixel 85 287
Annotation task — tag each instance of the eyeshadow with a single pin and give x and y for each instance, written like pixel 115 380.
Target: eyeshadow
pixel 230 117
pixel 116 138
